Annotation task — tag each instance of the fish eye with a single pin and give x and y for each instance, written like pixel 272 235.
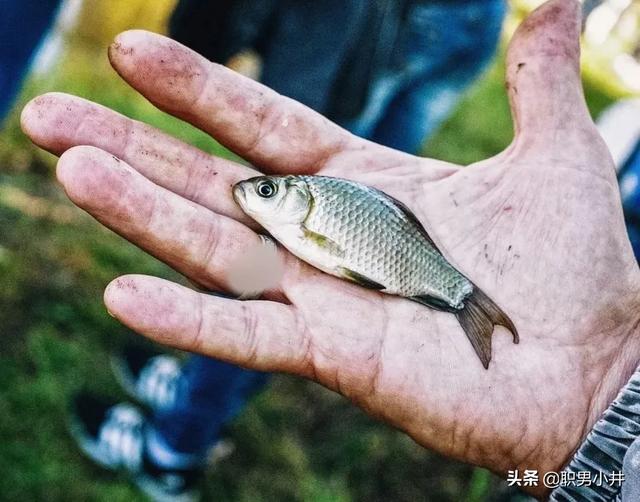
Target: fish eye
pixel 266 189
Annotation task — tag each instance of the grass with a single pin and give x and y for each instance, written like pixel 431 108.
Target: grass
pixel 296 441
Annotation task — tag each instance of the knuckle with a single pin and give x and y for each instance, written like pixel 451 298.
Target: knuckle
pixel 268 117
pixel 197 341
pixel 210 247
pixel 250 335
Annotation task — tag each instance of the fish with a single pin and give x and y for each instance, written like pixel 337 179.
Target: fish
pixel 363 235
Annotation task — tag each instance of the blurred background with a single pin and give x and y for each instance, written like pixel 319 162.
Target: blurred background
pixel 295 441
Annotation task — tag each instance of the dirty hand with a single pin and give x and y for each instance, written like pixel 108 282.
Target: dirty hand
pixel 539 227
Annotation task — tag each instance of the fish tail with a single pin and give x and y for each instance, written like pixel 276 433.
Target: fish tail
pixel 478 317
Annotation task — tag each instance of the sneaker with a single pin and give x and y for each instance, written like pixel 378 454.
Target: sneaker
pixel 113 436
pixel 152 378
pixel 148 376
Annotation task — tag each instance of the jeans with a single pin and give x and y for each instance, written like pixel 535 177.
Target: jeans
pixel 210 394
pixel 318 32
pixel 22 24
pixel 443 47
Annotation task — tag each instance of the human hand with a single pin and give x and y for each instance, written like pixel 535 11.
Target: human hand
pixel 539 227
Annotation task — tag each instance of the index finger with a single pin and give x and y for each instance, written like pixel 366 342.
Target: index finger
pixel 273 132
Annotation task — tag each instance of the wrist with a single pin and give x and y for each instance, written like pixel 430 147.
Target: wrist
pixel 602 452
pixel 578 448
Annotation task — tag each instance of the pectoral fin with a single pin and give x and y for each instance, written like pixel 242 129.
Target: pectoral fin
pixel 323 242
pixel 360 279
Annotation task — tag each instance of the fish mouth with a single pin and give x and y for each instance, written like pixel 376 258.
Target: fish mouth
pixel 239 194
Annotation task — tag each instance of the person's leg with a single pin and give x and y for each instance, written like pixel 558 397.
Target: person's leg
pixel 307 47
pixel 444 46
pixel 22 25
pixel 112 434
pixel 416 113
pixel 165 453
pixel 210 393
pixel 380 96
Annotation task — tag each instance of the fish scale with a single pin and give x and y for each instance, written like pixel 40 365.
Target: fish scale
pixel 379 242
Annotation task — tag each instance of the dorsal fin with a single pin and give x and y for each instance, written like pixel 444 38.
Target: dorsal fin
pixel 412 218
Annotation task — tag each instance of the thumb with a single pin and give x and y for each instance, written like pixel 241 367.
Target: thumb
pixel 543 76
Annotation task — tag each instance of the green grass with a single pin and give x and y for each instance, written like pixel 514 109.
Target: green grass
pixel 296 441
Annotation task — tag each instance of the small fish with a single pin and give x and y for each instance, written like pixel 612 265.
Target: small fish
pixel 362 235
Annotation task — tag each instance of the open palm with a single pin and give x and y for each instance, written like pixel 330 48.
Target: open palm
pixel 538 227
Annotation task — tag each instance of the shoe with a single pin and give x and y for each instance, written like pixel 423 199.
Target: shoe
pixel 113 436
pixel 148 376
pixel 152 378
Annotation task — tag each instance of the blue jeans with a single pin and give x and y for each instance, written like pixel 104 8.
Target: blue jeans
pixel 444 46
pixel 22 25
pixel 302 35
pixel 210 395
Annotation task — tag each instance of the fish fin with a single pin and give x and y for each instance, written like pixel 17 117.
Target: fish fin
pixel 322 241
pixel 360 279
pixel 434 303
pixel 413 219
pixel 478 317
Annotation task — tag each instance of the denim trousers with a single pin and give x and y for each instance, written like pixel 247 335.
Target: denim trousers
pixel 22 25
pixel 444 45
pixel 210 394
